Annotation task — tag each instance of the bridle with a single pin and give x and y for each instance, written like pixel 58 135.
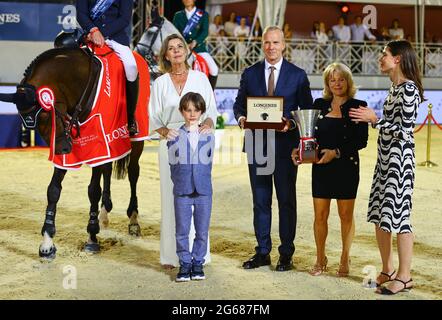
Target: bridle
pixel 29 109
pixel 149 56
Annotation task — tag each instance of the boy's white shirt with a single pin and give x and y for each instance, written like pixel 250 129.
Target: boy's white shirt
pixel 193 136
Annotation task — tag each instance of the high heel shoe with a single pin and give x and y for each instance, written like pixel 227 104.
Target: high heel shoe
pixel 386 291
pixel 389 276
pixel 319 268
pixel 342 272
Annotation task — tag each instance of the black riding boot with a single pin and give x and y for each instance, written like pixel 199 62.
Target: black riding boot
pixel 132 88
pixel 212 80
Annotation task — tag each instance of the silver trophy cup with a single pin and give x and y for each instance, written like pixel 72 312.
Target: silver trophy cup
pixel 308 147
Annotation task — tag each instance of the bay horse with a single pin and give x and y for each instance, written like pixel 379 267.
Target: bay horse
pixel 70 73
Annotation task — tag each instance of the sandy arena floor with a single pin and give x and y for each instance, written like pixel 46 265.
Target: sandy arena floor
pixel 128 268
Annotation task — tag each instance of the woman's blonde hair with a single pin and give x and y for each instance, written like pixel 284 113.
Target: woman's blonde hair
pixel 345 72
pixel 165 65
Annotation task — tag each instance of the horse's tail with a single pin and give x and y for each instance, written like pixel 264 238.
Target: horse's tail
pixel 120 167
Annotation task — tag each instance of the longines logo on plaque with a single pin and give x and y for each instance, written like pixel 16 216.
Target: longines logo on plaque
pixel 264 113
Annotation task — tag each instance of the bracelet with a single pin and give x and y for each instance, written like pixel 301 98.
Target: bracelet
pixel 338 153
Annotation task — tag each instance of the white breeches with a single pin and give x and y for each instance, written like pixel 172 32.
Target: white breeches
pixel 213 68
pixel 126 56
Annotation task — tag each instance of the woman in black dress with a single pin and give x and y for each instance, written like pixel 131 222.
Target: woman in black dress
pixel 336 175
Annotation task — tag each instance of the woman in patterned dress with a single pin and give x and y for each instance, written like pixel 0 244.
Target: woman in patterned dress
pixel 392 188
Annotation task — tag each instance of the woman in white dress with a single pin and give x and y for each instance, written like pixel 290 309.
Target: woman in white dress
pixel 165 119
pixel 391 193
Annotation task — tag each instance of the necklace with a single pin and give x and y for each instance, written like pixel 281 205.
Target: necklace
pixel 178 73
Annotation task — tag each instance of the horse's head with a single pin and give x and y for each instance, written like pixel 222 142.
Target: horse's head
pixel 150 44
pixel 62 70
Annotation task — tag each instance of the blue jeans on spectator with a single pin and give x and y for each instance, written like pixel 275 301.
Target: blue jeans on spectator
pixel 201 219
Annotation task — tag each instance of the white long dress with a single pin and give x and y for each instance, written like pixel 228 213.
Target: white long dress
pixel 163 112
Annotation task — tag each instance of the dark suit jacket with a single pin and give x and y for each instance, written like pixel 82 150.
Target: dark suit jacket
pixel 292 84
pixel 199 33
pixel 114 24
pixel 355 134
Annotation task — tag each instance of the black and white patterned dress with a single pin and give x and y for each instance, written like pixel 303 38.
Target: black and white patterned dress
pixel 392 188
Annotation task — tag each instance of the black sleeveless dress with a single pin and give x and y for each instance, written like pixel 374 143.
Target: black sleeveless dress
pixel 338 179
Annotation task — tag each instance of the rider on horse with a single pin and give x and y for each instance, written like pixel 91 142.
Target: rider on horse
pixel 107 22
pixel 193 23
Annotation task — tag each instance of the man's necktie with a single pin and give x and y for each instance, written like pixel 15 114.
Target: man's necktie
pixel 271 84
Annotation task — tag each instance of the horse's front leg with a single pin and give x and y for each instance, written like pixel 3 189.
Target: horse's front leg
pixel 47 248
pixel 93 227
pixel 106 201
pixel 134 173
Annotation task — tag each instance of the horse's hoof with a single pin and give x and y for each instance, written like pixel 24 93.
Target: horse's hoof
pixel 92 247
pixel 103 218
pixel 47 254
pixel 134 229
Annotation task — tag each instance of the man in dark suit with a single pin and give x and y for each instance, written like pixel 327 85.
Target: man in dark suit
pixel 274 76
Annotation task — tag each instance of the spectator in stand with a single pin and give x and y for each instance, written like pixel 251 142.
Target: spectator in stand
pixel 321 34
pixel 314 29
pixel 359 31
pixel 230 25
pixel 216 26
pixel 222 43
pixel 396 33
pixel 331 35
pixel 243 30
pixel 325 53
pixel 250 20
pixel 341 31
pixel 257 31
pixel 288 32
pixel 385 35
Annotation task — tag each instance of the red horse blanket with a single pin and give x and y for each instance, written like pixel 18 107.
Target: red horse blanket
pixel 104 135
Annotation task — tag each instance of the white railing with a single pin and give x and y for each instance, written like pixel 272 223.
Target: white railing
pixel 233 55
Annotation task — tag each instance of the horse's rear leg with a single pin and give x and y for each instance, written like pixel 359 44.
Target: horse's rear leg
pixel 93 227
pixel 134 173
pixel 106 201
pixel 47 248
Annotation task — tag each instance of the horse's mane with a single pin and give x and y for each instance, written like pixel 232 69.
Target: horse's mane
pixel 44 55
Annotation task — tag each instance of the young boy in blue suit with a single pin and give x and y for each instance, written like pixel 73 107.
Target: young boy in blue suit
pixel 190 159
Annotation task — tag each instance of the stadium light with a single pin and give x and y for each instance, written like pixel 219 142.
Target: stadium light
pixel 345 9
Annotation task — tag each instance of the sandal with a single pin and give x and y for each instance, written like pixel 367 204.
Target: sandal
pixel 318 268
pixel 341 273
pixel 389 276
pixel 386 291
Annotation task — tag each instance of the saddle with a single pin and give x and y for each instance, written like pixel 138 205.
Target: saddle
pixel 73 39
